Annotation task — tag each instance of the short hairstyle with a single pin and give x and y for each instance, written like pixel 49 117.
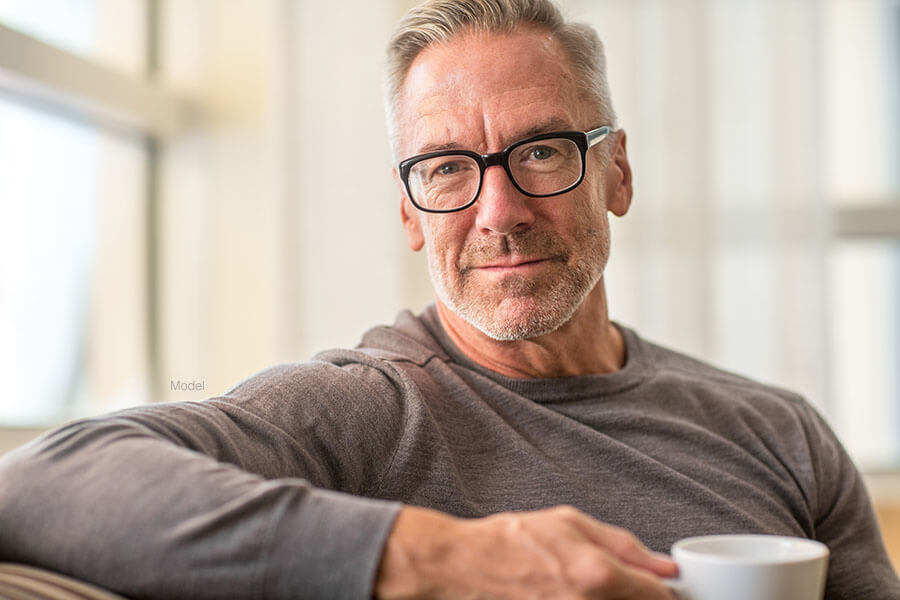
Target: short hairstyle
pixel 437 21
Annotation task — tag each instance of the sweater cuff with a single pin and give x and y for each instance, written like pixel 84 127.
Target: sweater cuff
pixel 330 548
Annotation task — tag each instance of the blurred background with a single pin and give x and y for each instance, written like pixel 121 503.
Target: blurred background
pixel 193 190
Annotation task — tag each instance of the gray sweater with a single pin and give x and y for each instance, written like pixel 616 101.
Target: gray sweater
pixel 287 486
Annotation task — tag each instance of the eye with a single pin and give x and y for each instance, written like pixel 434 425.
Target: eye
pixel 448 168
pixel 541 153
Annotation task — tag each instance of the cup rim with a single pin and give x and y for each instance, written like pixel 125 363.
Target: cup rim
pixel 810 550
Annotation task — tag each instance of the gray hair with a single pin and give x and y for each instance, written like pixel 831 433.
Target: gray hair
pixel 437 21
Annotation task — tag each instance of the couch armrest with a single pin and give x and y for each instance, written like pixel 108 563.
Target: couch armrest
pixel 23 582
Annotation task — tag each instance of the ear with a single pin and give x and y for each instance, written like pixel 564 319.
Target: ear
pixel 619 188
pixel 410 218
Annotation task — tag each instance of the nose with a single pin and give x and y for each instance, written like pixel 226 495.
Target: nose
pixel 501 208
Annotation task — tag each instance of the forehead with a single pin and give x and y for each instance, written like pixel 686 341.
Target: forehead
pixel 482 90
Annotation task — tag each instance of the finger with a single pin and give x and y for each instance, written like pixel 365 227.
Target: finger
pixel 624 545
pixel 616 580
pixel 646 585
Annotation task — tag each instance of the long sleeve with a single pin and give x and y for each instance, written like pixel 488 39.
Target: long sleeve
pixel 858 566
pixel 231 497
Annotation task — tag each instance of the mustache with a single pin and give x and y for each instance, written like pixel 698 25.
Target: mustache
pixel 530 243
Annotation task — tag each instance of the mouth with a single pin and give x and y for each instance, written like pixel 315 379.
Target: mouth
pixel 512 263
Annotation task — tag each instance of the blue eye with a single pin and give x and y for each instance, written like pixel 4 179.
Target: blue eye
pixel 541 153
pixel 449 168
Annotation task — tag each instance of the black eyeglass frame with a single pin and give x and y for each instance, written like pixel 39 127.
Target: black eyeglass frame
pixel 582 139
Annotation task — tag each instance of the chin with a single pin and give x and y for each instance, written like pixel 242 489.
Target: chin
pixel 520 308
pixel 520 318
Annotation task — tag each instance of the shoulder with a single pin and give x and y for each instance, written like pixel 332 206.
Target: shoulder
pixel 691 386
pixel 382 366
pixel 675 367
pixel 777 426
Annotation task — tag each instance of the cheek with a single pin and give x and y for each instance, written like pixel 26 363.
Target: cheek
pixel 593 202
pixel 589 225
pixel 581 209
pixel 444 237
pixel 594 189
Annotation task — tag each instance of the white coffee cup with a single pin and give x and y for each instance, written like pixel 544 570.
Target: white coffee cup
pixel 749 567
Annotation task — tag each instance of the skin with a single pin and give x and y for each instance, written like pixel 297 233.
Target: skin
pixel 499 267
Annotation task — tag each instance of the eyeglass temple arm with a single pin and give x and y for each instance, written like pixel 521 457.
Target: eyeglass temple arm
pixel 594 136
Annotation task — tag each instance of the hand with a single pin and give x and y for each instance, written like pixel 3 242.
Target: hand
pixel 553 553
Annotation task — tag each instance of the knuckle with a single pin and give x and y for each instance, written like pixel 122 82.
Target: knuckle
pixel 627 541
pixel 513 524
pixel 623 542
pixel 509 525
pixel 566 511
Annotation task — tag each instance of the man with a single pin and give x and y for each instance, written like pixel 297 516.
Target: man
pixel 443 456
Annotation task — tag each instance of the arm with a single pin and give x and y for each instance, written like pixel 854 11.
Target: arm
pixel 216 499
pixel 557 552
pixel 226 498
pixel 845 521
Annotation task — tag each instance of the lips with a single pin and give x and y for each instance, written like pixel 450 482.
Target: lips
pixel 511 263
pixel 515 252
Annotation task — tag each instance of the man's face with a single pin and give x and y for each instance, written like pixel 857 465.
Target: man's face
pixel 514 267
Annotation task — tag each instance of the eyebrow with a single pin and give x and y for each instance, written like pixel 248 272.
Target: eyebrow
pixel 550 125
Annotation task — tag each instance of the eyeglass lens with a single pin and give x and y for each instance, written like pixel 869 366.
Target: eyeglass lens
pixel 542 167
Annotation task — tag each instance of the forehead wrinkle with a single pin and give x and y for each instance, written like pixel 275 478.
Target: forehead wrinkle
pixel 540 117
pixel 492 115
pixel 500 96
pixel 542 114
pixel 433 128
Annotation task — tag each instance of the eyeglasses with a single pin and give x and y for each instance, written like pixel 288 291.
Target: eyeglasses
pixel 541 166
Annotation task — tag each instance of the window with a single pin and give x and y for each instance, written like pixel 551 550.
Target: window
pixel 861 77
pixel 72 248
pixel 79 120
pixel 111 32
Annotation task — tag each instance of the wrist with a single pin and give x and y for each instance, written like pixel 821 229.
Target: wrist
pixel 419 539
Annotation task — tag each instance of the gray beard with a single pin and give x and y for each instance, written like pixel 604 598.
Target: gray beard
pixel 544 306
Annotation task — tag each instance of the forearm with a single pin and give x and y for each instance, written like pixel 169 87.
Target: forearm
pixel 116 505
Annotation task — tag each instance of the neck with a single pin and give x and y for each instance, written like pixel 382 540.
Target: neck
pixel 586 344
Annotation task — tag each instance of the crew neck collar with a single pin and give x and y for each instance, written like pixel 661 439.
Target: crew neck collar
pixel 552 389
